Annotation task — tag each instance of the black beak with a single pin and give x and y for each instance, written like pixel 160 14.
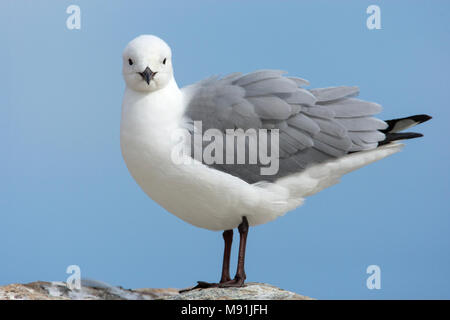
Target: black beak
pixel 147 75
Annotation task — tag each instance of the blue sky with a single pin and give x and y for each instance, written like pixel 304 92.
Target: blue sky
pixel 67 197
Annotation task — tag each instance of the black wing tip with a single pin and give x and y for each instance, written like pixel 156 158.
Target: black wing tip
pixel 394 136
pixel 420 118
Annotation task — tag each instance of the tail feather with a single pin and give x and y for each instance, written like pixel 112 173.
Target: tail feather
pixel 392 132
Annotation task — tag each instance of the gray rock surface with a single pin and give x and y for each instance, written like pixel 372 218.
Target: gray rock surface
pixel 251 291
pixel 95 290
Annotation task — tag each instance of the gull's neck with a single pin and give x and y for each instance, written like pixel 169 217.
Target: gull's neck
pixel 148 121
pixel 157 108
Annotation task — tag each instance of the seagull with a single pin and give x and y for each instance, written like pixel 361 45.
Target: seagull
pixel 318 136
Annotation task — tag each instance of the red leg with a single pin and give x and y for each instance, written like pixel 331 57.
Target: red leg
pixel 240 277
pixel 228 239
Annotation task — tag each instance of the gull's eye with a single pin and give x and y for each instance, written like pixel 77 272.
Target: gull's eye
pixel 164 61
pixel 130 62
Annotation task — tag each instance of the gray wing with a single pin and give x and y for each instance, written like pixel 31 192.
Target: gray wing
pixel 314 125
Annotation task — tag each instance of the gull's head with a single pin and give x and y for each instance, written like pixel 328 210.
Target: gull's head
pixel 147 64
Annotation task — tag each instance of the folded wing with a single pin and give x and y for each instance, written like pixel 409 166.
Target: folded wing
pixel 314 125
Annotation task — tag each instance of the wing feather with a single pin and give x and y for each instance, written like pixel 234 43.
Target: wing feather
pixel 258 76
pixel 314 125
pixel 271 107
pixel 334 93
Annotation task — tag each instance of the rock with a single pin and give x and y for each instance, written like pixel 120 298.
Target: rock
pixel 96 290
pixel 251 291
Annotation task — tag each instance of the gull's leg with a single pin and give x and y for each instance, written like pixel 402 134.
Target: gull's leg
pixel 228 239
pixel 240 277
